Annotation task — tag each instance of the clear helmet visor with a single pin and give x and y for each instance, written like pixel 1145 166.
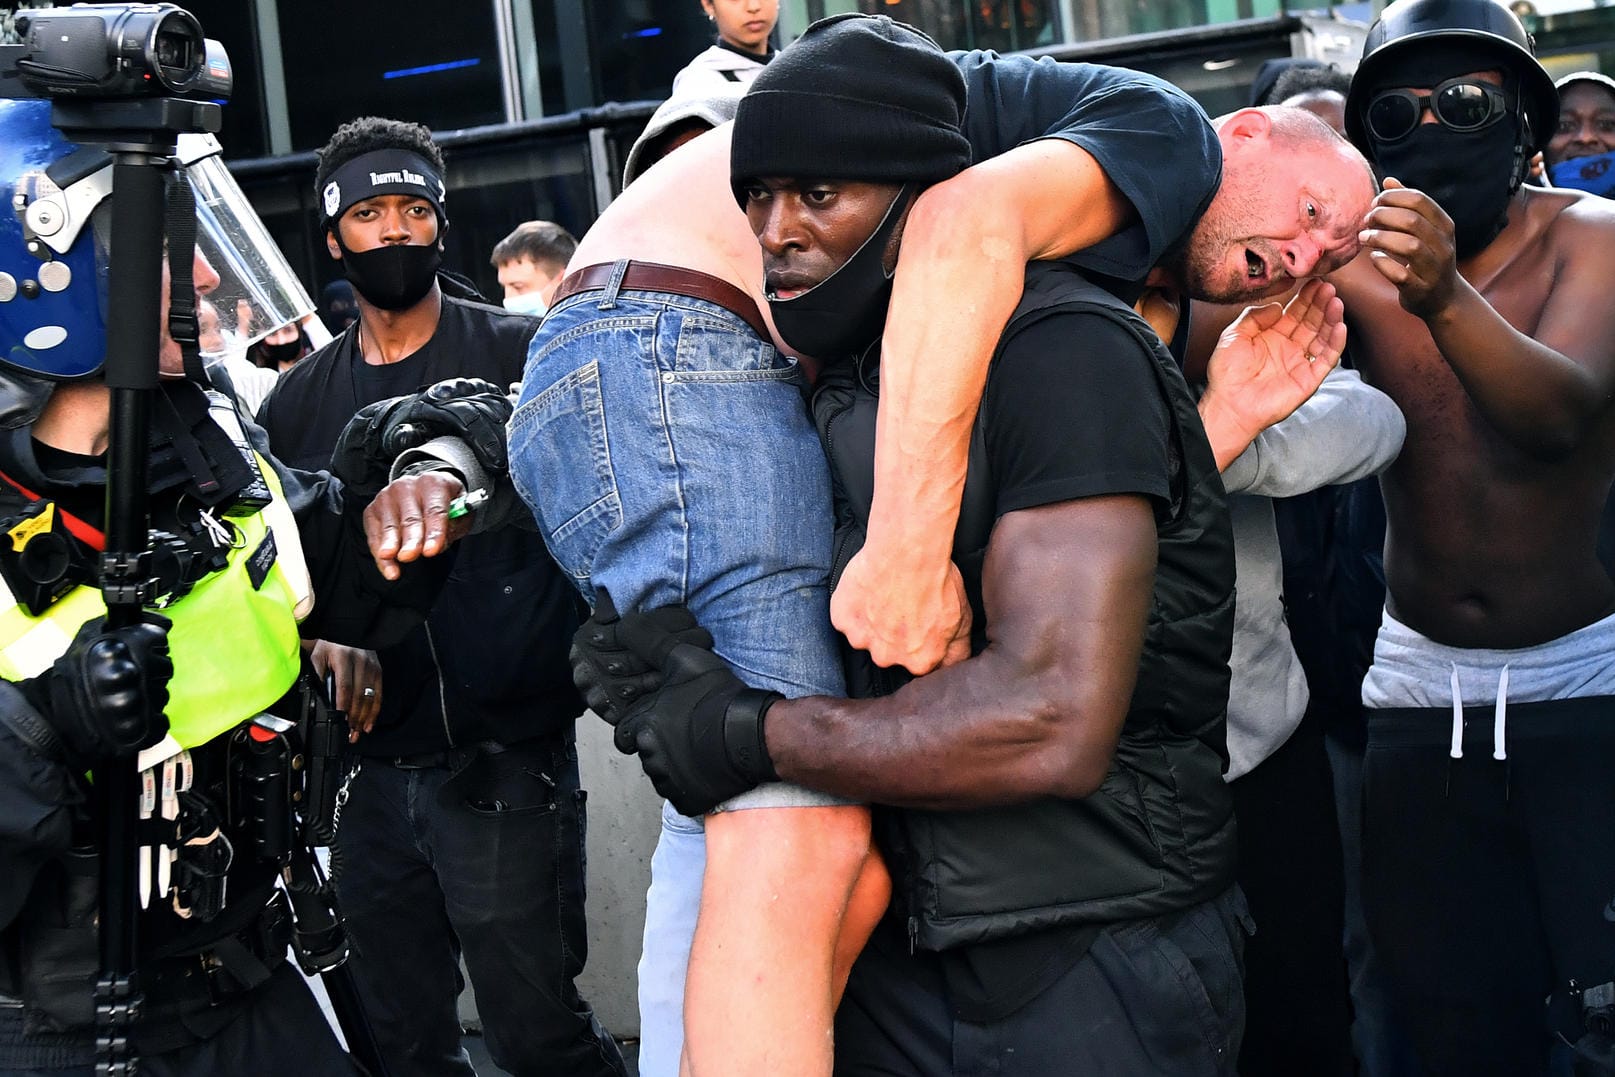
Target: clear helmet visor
pixel 54 253
pixel 257 292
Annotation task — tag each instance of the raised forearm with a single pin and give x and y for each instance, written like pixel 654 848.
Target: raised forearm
pixel 959 278
pixel 955 289
pixel 1541 400
pixel 1346 431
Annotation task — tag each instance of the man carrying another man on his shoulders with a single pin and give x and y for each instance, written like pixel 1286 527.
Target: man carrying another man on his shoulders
pixel 1020 739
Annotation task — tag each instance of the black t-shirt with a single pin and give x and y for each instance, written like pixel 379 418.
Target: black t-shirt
pixel 500 630
pixel 1072 409
pixel 314 400
pixel 1152 139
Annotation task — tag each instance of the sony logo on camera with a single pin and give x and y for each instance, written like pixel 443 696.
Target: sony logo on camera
pixel 120 51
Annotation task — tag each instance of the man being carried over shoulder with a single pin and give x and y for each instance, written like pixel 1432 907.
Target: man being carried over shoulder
pixel 1018 740
pixel 738 480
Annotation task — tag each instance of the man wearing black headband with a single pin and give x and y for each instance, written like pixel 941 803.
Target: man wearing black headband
pixel 464 829
pixel 242 549
pixel 1487 830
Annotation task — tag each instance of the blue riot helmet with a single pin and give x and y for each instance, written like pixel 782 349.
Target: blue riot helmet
pixel 52 274
pixel 54 249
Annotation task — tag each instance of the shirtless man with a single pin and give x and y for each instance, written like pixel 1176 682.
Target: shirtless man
pixel 1481 307
pixel 664 447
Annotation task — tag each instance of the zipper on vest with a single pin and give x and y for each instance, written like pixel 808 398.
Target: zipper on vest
pixel 913 935
pixel 442 698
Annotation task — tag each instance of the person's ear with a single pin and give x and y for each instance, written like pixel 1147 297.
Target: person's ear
pixel 331 245
pixel 1246 125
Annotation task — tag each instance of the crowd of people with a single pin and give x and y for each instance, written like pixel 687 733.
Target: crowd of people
pixel 1101 589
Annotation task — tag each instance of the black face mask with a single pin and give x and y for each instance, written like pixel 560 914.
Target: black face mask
pixel 339 317
pixel 1470 174
pixel 275 354
pixel 845 311
pixel 392 276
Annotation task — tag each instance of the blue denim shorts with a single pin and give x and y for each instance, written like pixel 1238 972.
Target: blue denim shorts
pixel 668 457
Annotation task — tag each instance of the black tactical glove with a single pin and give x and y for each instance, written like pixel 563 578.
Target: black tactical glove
pixel 606 662
pixel 470 409
pixel 700 732
pixel 107 694
pixel 700 736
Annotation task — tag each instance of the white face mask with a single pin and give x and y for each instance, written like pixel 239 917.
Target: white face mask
pixel 527 303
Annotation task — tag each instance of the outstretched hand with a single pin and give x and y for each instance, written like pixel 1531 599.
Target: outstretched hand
pixel 409 519
pixel 1268 363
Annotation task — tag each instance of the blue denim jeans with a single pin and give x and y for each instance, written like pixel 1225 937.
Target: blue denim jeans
pixel 668 458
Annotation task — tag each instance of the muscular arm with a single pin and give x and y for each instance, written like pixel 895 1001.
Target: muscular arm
pixel 1072 163
pixel 1067 591
pixel 1544 391
pixel 959 277
pixel 1544 395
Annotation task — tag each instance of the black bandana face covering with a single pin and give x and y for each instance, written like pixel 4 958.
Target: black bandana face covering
pixel 847 310
pixel 392 276
pixel 274 354
pixel 1470 174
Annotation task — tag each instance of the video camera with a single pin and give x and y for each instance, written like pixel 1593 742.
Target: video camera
pixel 111 51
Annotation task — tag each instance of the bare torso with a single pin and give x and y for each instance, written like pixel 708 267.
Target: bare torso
pixel 682 212
pixel 1488 546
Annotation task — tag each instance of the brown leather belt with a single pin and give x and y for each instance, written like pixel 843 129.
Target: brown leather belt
pixel 652 277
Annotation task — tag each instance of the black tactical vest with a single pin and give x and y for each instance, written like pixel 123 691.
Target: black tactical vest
pixel 1158 835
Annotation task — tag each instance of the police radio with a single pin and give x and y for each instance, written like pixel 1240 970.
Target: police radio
pixel 40 559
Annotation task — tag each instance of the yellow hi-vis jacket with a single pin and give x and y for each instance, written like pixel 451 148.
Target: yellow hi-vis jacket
pixel 234 646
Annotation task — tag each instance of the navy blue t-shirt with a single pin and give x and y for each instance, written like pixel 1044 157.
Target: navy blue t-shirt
pixel 1152 139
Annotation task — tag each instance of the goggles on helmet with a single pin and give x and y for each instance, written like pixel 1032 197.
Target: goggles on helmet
pixel 1463 104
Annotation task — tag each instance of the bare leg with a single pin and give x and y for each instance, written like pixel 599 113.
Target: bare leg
pixel 789 897
pixel 871 893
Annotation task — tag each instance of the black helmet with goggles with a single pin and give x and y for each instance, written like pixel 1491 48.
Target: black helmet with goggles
pixel 1407 30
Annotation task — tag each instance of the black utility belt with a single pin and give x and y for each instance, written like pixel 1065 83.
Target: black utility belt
pixel 227 967
pixel 57 973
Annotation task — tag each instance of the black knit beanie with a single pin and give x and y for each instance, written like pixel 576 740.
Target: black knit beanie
pixel 856 97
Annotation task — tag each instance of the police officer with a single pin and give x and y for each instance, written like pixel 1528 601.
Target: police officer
pixel 465 726
pixel 193 683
